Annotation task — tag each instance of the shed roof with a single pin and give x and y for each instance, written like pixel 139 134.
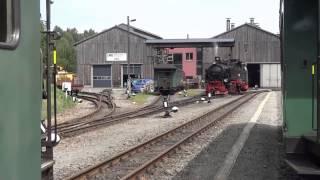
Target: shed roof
pixel 207 42
pixel 141 32
pixel 165 66
pixel 133 30
pixel 249 25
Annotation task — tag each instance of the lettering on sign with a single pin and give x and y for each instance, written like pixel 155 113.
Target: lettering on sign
pixel 116 56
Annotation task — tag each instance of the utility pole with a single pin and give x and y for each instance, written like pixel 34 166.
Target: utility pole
pixel 128 57
pixel 49 149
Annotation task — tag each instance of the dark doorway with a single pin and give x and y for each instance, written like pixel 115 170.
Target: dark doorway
pixel 125 78
pixel 135 73
pixel 177 60
pixel 253 74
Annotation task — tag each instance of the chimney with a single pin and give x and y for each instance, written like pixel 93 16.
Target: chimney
pixel 228 24
pixel 252 21
pixel 187 36
pixel 232 26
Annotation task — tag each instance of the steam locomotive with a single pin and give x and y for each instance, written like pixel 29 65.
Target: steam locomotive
pixel 226 76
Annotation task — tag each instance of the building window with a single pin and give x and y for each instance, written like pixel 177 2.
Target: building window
pixel 189 56
pixel 134 69
pixel 9 23
pixel 170 57
pixel 101 77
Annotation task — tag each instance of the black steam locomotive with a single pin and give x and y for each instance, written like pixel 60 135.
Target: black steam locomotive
pixel 225 76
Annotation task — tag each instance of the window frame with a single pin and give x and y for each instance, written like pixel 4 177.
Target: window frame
pixel 189 56
pixel 16 27
pixel 170 57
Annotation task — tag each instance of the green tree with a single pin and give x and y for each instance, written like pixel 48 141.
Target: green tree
pixel 42 37
pixel 66 55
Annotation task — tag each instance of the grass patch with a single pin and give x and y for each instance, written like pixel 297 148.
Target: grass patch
pixel 140 98
pixel 63 103
pixel 191 92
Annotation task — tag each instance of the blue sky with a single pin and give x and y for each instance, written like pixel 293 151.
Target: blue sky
pixel 167 18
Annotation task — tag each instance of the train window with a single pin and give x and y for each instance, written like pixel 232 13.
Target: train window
pixel 9 23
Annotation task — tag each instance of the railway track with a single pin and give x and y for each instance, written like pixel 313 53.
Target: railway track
pixel 75 128
pixel 135 162
pixel 100 101
pixel 104 98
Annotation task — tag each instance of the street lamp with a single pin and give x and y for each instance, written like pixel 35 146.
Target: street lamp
pixel 128 57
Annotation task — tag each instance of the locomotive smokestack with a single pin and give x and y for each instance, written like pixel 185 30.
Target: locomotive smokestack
pixel 228 24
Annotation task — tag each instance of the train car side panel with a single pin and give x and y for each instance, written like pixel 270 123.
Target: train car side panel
pixel 20 96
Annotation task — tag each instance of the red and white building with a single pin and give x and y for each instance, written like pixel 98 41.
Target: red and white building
pixel 188 57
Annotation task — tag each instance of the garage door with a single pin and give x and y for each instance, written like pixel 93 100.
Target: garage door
pixel 102 76
pixel 270 75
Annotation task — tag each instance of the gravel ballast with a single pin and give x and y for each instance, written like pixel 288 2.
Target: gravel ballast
pixel 74 154
pixel 262 156
pixel 198 159
pixel 80 110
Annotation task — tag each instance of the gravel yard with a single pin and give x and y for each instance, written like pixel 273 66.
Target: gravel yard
pixel 86 107
pixel 76 153
pixel 124 105
pixel 261 157
pixel 224 134
pixel 80 110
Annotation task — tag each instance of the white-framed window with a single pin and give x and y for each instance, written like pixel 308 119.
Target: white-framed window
pixel 189 56
pixel 101 77
pixel 170 57
pixel 9 23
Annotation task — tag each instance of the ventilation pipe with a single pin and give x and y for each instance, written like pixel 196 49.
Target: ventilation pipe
pixel 228 24
pixel 252 21
pixel 232 26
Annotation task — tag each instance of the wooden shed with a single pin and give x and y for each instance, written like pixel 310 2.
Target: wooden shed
pixel 102 58
pixel 258 48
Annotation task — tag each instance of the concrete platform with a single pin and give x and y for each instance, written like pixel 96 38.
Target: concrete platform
pixel 258 156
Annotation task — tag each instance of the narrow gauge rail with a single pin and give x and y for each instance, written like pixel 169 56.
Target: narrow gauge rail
pixel 97 103
pixel 100 101
pixel 68 130
pixel 133 163
pixel 107 99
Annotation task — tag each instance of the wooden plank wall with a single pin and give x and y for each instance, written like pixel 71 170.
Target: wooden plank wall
pixel 251 45
pixel 93 51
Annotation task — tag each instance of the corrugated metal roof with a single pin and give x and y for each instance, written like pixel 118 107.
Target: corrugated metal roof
pixel 165 66
pixel 184 43
pixel 199 40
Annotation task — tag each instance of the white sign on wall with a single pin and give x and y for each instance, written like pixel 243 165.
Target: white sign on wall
pixel 116 56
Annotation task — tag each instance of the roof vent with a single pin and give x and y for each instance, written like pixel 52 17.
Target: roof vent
pixel 232 26
pixel 252 21
pixel 228 24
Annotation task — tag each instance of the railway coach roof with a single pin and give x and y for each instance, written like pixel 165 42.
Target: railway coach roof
pixel 202 42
